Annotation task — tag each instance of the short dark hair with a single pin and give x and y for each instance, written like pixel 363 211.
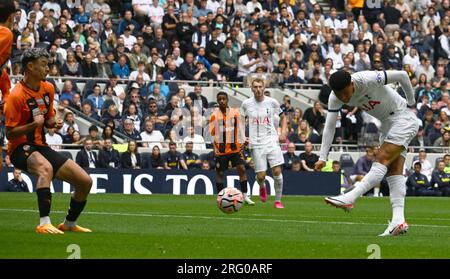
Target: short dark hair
pixel 339 80
pixel 33 54
pixel 7 8
pixel 417 164
pixel 222 93
pixel 336 163
pixel 93 128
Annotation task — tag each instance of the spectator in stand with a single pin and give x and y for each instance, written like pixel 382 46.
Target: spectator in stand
pixel 196 139
pixel 69 120
pixel 17 184
pixel 198 99
pixel 173 159
pixel 363 165
pixel 190 158
pixel 128 21
pixel 315 117
pixel 131 159
pixel 205 165
pixel 443 143
pixel 53 139
pixel 131 113
pixel 67 91
pixel 296 166
pixel 93 135
pixel 151 137
pixel 108 157
pixel 441 180
pixel 86 157
pixel 426 167
pixel 108 133
pixel 71 67
pixel 308 158
pixel 418 184
pixel 96 99
pixel 129 130
pixel 87 110
pixel 289 156
pixel 247 64
pixel 156 160
pixel 111 114
pixel 89 68
pixel 121 69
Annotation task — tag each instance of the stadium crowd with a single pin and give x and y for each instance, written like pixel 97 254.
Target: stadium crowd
pixel 139 49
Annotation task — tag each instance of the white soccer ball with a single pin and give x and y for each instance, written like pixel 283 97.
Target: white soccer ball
pixel 230 200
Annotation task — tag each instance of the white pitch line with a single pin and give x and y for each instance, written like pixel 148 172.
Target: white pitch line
pixel 221 218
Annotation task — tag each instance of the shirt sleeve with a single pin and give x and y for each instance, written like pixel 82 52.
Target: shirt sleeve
pixel 402 78
pixel 6 40
pixel 334 105
pixel 13 111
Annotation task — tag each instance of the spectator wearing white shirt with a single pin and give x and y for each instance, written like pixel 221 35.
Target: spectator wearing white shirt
pixel 247 63
pixel 333 21
pixel 213 5
pixel 336 56
pixel 412 59
pixel 141 7
pixel 140 71
pixel 427 168
pixel 197 140
pixel 53 139
pixel 346 46
pixel 151 137
pixel 156 14
pixel 53 5
pixel 128 39
pixel 251 5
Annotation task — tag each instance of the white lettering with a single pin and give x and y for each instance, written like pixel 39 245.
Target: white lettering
pixel 208 185
pixel 66 187
pixel 127 184
pixel 373 4
pixel 138 185
pixel 95 177
pixel 176 182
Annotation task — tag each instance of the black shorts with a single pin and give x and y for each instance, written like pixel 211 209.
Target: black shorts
pixel 223 161
pixel 20 156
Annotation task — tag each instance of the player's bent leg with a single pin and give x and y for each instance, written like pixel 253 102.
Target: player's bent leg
pixel 76 176
pixel 387 153
pixel 39 166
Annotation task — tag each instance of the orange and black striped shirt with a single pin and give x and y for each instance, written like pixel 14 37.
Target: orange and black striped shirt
pixel 224 129
pixel 23 104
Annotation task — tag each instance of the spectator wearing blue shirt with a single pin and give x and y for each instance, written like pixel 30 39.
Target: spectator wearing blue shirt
pixel 121 69
pixel 128 21
pixel 164 89
pixel 95 98
pixel 67 91
pixel 82 17
pixel 202 59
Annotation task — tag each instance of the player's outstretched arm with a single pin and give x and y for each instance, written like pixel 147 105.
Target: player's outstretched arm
pixel 327 139
pixel 402 78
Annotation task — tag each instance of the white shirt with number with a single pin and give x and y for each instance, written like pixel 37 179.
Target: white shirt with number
pixel 263 120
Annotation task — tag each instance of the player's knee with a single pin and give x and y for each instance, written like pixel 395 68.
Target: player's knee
pixel 45 170
pixel 261 176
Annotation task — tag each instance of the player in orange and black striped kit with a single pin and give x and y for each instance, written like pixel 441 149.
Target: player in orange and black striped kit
pixel 7 12
pixel 224 129
pixel 28 110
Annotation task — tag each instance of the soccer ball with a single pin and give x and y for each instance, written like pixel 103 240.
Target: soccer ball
pixel 230 200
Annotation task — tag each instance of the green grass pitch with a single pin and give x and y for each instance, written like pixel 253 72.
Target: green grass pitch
pixel 167 226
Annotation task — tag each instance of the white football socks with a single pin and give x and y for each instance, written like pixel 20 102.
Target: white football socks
pixel 370 180
pixel 44 220
pixel 376 191
pixel 397 193
pixel 278 184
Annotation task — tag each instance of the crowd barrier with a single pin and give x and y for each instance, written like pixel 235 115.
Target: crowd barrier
pixel 190 182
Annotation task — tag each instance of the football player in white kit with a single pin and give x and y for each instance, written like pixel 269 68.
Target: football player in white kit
pixel 263 114
pixel 368 91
